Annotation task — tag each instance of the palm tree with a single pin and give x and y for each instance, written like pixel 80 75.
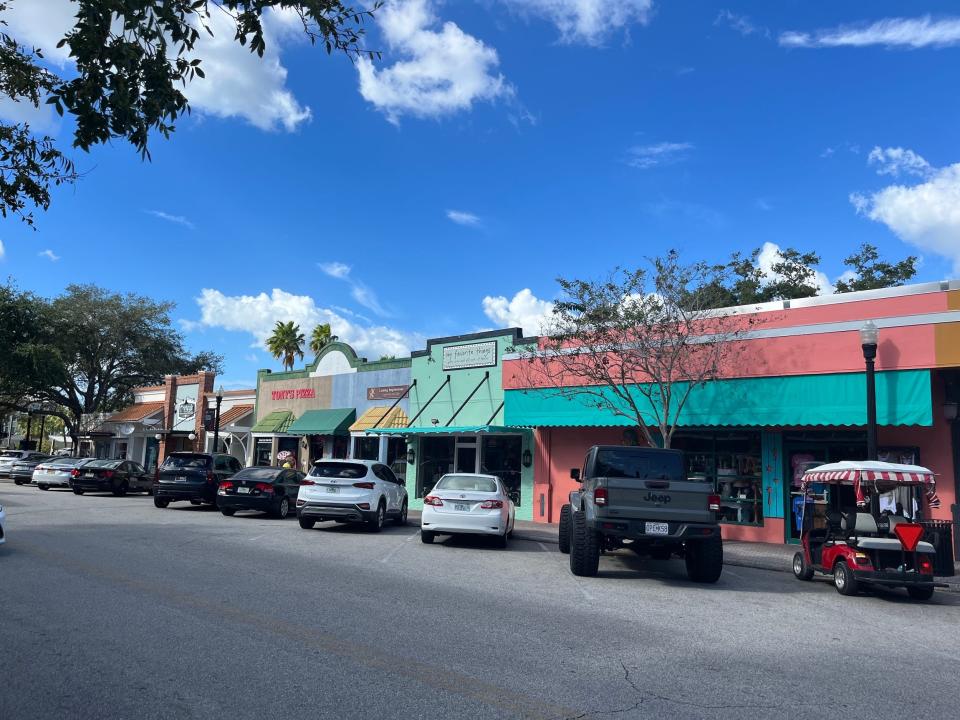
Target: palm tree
pixel 321 337
pixel 286 343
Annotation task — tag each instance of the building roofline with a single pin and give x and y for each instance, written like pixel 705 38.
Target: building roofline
pixel 515 333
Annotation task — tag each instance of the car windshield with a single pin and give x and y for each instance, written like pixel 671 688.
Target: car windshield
pixel 103 464
pixel 470 483
pixel 260 474
pixel 68 461
pixel 187 462
pixel 628 463
pixel 339 470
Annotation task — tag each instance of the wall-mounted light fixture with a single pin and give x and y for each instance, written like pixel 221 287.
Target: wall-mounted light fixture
pixel 527 458
pixel 411 457
pixel 158 436
pixel 435 422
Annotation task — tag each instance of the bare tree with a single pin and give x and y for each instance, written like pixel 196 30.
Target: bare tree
pixel 637 344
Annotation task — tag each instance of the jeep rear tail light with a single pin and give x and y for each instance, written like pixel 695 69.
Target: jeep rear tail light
pixel 491 504
pixel 713 503
pixel 600 496
pixel 364 485
pixel 432 500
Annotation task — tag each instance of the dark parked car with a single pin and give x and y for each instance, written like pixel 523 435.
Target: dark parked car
pixel 194 477
pixel 116 476
pixel 22 470
pixel 268 489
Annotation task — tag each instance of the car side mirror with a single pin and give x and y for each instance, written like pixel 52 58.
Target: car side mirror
pixel 575 474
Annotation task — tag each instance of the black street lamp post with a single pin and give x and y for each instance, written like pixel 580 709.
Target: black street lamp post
pixel 216 419
pixel 868 341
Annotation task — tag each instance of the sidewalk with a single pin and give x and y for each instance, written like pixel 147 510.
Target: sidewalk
pixel 762 556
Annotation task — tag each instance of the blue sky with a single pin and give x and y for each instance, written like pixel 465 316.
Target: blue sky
pixel 500 143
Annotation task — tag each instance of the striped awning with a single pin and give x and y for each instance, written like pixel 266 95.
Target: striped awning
pixel 857 472
pixel 381 417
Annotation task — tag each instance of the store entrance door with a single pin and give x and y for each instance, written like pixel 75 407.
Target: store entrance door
pixel 466 455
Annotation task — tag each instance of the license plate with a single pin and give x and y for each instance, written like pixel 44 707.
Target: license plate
pixel 461 507
pixel 332 489
pixel 51 472
pixel 89 475
pixel 656 528
pixel 181 478
pixel 243 490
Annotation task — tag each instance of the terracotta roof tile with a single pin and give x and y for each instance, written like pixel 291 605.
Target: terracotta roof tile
pixel 234 414
pixel 136 412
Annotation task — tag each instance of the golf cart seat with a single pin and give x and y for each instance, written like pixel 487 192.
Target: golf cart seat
pixel 859 524
pixel 895 520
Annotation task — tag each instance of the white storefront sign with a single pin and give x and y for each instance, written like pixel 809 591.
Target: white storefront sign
pixel 475 355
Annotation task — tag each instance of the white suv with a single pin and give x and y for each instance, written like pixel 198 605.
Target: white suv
pixel 351 491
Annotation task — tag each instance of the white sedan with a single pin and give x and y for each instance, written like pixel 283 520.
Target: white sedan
pixel 468 504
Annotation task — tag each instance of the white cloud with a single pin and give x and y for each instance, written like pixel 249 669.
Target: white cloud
pixel 252 357
pixel 443 71
pixel 665 153
pixel 175 219
pixel 335 269
pixel 461 217
pixel 893 161
pixel 258 314
pixel 890 32
pixel 740 23
pixel 49 255
pixel 238 83
pixel 524 310
pixel 589 22
pixel 926 215
pixel 770 255
pixel 189 325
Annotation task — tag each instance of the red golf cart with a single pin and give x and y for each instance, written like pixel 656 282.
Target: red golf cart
pixel 859 524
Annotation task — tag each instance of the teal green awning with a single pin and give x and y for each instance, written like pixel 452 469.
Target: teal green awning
pixel 324 422
pixel 276 422
pixel 442 430
pixel 903 398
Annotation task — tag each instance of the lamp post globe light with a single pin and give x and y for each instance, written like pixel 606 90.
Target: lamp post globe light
pixel 216 419
pixel 869 335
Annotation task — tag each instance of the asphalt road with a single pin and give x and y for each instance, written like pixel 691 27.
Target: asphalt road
pixel 110 608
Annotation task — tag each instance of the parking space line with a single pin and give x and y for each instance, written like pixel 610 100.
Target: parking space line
pixel 397 548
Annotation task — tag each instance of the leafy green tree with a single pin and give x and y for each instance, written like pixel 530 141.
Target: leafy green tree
pixel 321 337
pixel 871 273
pixel 132 59
pixel 84 351
pixel 286 343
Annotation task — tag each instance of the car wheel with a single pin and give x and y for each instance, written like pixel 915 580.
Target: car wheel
pixel 43 487
pixel 375 524
pixel 77 491
pixel 160 502
pixel 283 509
pixel 121 489
pixel 565 529
pixel 502 540
pixel 704 560
pixel 801 570
pixel 427 537
pixel 306 523
pixel 584 547
pixel 402 518
pixel 844 580
pixel 228 512
pixel 920 593
pixel 17 482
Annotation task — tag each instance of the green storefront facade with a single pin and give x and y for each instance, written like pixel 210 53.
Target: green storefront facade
pixel 456 411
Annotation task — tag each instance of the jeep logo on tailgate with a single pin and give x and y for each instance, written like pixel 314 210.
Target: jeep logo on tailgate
pixel 655 498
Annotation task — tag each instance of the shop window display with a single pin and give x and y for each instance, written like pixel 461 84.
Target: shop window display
pixel 436 459
pixel 732 462
pixel 366 448
pixel 501 457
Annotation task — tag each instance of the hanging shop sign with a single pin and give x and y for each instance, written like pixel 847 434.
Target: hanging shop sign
pixel 293 394
pixel 474 355
pixel 187 409
pixel 388 392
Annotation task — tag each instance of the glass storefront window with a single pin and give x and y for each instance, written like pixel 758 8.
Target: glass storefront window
pixel 262 452
pixel 732 461
pixel 501 457
pixel 397 457
pixel 366 448
pixel 436 458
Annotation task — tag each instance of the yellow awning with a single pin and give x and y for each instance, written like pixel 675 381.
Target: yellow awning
pixel 382 417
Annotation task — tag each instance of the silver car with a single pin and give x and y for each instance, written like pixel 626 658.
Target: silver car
pixel 9 457
pixel 56 472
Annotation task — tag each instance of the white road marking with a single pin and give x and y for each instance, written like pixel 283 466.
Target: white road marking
pixel 397 548
pixel 542 546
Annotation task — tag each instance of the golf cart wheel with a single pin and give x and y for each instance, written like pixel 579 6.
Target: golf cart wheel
pixel 920 592
pixel 843 579
pixel 565 529
pixel 801 570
